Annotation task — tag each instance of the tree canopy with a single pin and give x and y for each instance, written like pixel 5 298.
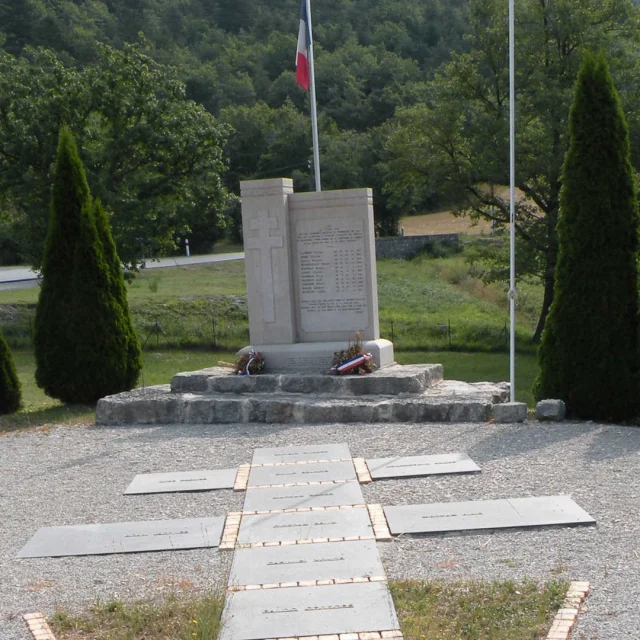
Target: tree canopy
pixel 455 143
pixel 150 118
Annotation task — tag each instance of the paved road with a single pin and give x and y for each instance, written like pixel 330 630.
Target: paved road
pixel 24 277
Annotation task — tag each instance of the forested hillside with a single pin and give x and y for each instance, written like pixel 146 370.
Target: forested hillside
pixel 235 58
pixel 412 97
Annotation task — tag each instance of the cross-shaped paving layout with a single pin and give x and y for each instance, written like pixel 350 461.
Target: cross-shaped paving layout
pixel 306 562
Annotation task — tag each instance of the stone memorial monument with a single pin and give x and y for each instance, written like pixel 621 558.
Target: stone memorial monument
pixel 311 275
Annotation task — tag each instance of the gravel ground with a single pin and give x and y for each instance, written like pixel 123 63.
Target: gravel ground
pixel 76 475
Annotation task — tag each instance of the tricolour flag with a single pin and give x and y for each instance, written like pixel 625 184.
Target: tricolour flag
pixel 304 40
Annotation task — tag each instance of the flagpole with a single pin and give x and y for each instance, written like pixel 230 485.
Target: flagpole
pixel 512 203
pixel 312 96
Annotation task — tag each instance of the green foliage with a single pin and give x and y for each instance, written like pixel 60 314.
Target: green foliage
pixel 143 116
pixel 10 392
pixel 83 342
pixel 454 144
pixel 118 292
pixel 589 354
pixel 154 157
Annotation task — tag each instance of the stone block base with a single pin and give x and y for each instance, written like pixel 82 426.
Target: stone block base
pixel 551 410
pixel 449 401
pixel 390 381
pixel 510 412
pixel 315 357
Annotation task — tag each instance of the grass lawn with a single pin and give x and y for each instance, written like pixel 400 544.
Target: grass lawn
pixel 424 303
pixel 41 411
pixel 480 367
pixel 426 610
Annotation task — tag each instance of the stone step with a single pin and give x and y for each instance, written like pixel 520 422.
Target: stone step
pixel 449 401
pixel 393 380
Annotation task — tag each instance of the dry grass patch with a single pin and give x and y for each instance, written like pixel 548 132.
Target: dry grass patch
pixel 477 610
pixel 178 618
pixel 443 222
pixel 427 611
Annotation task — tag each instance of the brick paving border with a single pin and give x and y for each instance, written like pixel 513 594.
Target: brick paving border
pixel 566 617
pixel 242 477
pixel 362 471
pixel 304 509
pixel 288 464
pixel 379 522
pixel 38 626
pixel 365 635
pixel 306 583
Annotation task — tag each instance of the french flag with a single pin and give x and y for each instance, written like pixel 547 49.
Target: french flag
pixel 304 40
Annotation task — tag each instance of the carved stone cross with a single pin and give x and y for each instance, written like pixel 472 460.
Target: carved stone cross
pixel 264 242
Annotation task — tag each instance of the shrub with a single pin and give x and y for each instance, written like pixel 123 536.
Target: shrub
pixel 119 293
pixel 589 351
pixel 10 394
pixel 82 337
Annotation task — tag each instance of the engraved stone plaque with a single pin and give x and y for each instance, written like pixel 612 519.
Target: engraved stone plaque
pixel 302 473
pixel 304 453
pixel 308 611
pixel 302 562
pixel 486 515
pixel 203 480
pixel 307 525
pixel 413 466
pixel 550 511
pixel 303 497
pixel 332 274
pixel 124 537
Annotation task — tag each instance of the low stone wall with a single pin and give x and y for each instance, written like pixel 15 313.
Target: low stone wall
pixel 408 246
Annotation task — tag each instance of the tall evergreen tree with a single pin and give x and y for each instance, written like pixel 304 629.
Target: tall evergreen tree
pixel 82 337
pixel 589 354
pixel 119 293
pixel 10 394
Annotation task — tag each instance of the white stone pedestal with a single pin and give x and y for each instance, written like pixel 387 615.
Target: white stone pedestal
pixel 311 275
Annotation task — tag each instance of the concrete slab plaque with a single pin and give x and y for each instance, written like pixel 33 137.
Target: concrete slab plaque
pixel 203 480
pixel 300 563
pixel 124 537
pixel 303 497
pixel 486 515
pixel 550 510
pixel 308 525
pixel 412 466
pixel 302 473
pixel 305 453
pixel 308 611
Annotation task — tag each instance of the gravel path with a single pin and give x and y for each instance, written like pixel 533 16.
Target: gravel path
pixel 76 476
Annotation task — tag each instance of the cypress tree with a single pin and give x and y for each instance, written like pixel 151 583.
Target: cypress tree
pixel 53 330
pixel 119 293
pixel 589 351
pixel 82 338
pixel 10 394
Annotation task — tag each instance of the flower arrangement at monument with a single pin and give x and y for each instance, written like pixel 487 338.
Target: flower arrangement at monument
pixel 353 360
pixel 250 364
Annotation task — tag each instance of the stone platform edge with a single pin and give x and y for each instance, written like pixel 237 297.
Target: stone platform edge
pixel 392 380
pixel 449 401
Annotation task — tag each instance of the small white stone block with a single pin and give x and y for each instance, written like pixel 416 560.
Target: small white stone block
pixel 551 410
pixel 509 412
